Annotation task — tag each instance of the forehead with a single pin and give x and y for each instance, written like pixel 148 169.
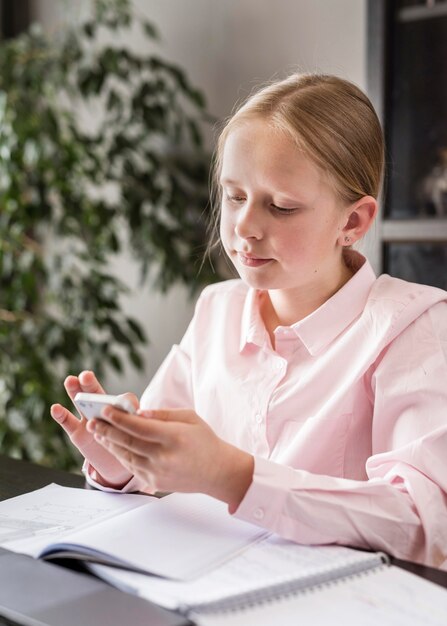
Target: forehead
pixel 256 148
pixel 252 134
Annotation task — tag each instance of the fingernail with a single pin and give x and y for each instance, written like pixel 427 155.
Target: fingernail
pixel 56 412
pixel 106 411
pixel 82 376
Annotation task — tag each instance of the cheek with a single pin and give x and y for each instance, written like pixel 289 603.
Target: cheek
pixel 297 245
pixel 293 242
pixel 226 227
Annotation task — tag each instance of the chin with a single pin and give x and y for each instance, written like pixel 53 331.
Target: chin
pixel 255 280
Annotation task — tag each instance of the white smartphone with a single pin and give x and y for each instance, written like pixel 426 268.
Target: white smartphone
pixel 91 404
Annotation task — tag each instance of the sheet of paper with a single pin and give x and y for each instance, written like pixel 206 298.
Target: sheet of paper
pixel 270 561
pixel 30 521
pixel 389 596
pixel 182 537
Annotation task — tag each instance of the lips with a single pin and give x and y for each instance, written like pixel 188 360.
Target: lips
pixel 251 260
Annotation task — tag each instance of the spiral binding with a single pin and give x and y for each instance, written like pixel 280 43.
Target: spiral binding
pixel 291 587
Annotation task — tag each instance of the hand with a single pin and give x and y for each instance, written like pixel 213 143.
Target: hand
pixel 175 450
pixel 110 470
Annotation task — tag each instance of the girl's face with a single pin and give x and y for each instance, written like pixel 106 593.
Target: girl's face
pixel 281 223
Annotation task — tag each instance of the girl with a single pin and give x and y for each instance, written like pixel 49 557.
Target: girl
pixel 310 395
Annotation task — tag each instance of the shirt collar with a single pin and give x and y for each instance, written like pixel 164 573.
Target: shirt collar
pixel 324 324
pixel 252 328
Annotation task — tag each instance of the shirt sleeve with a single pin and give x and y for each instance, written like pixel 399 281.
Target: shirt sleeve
pixel 93 479
pixel 402 507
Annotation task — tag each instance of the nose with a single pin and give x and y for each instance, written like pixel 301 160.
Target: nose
pixel 248 222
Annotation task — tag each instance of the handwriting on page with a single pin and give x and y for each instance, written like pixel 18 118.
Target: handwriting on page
pixel 43 517
pixel 55 510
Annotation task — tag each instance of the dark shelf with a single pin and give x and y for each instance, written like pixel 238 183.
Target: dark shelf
pixel 422 12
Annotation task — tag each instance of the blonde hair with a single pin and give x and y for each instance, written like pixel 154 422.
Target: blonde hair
pixel 330 119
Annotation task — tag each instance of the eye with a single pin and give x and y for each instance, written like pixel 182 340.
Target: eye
pixel 234 198
pixel 282 210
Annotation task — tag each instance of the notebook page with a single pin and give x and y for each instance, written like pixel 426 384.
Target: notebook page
pixel 388 596
pixel 182 536
pixel 269 562
pixel 30 521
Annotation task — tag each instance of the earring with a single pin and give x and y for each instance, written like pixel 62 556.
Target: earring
pixel 348 240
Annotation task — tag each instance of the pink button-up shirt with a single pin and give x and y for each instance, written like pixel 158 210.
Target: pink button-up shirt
pixel 346 417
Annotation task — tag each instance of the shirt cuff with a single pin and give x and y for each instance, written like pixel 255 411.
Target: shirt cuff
pixel 268 503
pixel 265 498
pixel 91 477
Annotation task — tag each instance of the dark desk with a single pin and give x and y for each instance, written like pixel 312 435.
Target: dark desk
pixel 17 477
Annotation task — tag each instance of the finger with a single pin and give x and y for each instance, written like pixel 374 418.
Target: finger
pixel 86 381
pixel 170 415
pixel 131 460
pixel 102 430
pixel 72 386
pixel 137 426
pixel 69 422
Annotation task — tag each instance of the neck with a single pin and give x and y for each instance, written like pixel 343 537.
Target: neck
pixel 284 307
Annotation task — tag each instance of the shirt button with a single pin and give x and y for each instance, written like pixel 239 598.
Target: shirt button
pixel 278 366
pixel 258 513
pixel 258 418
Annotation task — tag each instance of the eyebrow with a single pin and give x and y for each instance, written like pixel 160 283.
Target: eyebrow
pixel 229 180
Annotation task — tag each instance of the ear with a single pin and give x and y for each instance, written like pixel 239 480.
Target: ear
pixel 359 218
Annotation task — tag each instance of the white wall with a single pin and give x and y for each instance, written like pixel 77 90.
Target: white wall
pixel 227 48
pixel 230 46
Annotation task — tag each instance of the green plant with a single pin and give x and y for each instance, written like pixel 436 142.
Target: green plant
pixel 67 193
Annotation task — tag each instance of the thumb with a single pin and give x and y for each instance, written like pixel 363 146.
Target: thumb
pixel 132 398
pixel 170 415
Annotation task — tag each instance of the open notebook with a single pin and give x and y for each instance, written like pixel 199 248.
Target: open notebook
pixel 181 536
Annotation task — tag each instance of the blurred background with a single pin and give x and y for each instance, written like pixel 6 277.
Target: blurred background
pixel 104 160
pixel 227 49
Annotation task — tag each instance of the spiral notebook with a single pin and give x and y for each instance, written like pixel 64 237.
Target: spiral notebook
pixel 389 596
pixel 266 571
pixel 279 582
